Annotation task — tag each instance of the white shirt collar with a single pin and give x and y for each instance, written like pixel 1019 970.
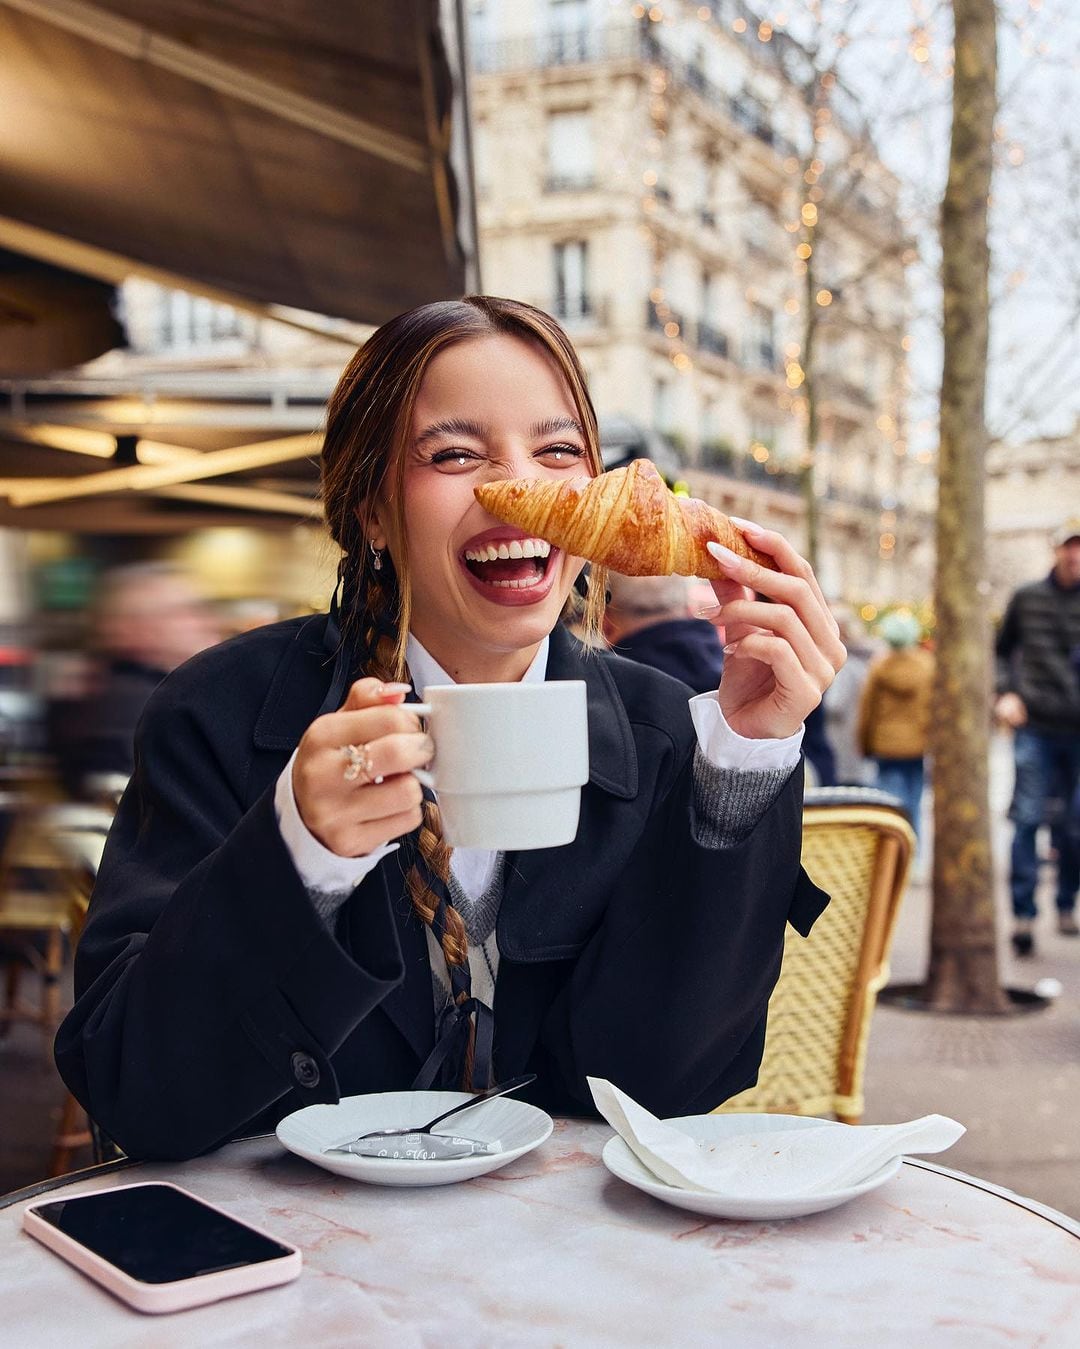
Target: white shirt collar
pixel 426 670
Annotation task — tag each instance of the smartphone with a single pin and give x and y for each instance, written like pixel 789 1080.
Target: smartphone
pixel 160 1248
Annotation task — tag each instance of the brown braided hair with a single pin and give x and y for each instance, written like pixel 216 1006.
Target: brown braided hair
pixel 368 421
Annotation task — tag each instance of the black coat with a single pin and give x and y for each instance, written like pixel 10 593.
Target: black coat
pixel 685 648
pixel 1038 653
pixel 212 1000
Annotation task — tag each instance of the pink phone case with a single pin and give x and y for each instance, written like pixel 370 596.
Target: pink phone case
pixel 165 1297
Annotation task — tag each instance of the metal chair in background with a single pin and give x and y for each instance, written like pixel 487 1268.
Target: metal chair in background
pixel 858 846
pixel 49 856
pixel 34 920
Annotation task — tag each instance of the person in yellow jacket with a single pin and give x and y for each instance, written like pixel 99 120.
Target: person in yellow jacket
pixel 894 713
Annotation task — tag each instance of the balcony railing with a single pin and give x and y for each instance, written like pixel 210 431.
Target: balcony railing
pixel 576 311
pixel 712 339
pixel 613 43
pixel 722 457
pixel 556 49
pixel 657 323
pixel 761 356
pixel 569 182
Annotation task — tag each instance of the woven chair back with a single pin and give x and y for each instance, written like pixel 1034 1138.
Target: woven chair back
pixel 819 1012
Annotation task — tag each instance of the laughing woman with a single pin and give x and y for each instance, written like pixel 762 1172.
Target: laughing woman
pixel 277 919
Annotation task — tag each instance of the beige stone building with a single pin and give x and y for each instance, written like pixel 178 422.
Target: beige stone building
pixel 1031 489
pixel 643 174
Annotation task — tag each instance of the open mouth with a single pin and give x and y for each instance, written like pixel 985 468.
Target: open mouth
pixel 509 564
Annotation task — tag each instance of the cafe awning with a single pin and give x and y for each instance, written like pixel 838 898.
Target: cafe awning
pixel 306 161
pixel 284 156
pixel 51 318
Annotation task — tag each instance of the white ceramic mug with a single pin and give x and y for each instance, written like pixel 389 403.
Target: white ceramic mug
pixel 510 762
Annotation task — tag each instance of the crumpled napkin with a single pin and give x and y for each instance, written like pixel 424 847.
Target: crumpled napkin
pixel 784 1163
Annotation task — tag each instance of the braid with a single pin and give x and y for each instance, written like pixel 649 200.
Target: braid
pixel 378 641
pixel 436 854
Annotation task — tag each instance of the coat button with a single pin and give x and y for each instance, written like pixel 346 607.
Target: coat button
pixel 305 1069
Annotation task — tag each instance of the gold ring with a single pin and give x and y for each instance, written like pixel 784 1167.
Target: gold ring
pixel 359 762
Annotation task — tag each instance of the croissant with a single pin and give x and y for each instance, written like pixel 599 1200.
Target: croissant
pixel 627 520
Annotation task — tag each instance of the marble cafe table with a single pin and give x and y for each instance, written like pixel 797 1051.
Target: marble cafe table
pixel 553 1250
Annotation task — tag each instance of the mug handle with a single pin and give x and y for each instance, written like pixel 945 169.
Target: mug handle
pixel 422 776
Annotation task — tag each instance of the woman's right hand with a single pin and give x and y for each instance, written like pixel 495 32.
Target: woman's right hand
pixel 383 800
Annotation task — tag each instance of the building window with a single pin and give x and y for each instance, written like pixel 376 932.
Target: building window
pixel 570 151
pixel 764 433
pixel 704 184
pixel 709 336
pixel 749 112
pixel 663 411
pixel 571 262
pixel 567 31
pixel 760 227
pixel 191 321
pixel 761 338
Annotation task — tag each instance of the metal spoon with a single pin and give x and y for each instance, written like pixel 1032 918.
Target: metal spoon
pixel 500 1089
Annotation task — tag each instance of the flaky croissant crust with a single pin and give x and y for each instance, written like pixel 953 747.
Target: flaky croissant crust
pixel 627 520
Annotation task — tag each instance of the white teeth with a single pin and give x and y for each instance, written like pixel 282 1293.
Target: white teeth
pixel 526 583
pixel 516 548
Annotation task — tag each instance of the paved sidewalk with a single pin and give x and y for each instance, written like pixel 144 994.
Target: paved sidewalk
pixel 1014 1081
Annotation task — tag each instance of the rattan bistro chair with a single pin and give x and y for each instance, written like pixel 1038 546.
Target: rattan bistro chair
pixel 857 845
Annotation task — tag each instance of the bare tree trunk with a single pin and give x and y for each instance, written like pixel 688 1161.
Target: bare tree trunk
pixel 963 973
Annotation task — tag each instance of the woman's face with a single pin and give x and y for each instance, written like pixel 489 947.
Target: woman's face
pixel 489 408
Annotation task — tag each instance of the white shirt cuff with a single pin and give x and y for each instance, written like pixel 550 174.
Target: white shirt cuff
pixel 725 748
pixel 318 867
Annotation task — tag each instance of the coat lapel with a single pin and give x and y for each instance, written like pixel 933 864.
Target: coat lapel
pixel 541 915
pixel 411 1005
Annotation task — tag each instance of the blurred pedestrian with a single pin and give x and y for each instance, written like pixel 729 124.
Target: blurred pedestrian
pixel 818 749
pixel 148 619
pixel 1038 685
pixel 841 701
pixel 647 619
pixel 894 712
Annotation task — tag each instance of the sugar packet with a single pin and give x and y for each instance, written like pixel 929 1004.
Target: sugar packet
pixel 419 1147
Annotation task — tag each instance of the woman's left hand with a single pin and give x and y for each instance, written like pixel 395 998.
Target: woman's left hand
pixel 779 657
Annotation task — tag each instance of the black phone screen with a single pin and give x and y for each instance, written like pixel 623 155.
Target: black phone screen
pixel 158 1234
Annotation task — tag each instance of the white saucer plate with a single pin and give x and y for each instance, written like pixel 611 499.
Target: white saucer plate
pixel 621 1162
pixel 518 1127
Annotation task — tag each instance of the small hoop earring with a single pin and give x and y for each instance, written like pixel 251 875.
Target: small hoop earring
pixel 376 557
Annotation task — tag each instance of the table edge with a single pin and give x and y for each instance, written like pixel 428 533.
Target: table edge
pixel 1040 1210
pixel 1052 1215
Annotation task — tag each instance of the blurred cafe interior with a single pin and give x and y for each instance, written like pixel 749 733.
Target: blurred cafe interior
pixel 201 216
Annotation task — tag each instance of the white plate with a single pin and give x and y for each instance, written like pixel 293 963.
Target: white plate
pixel 621 1162
pixel 517 1126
